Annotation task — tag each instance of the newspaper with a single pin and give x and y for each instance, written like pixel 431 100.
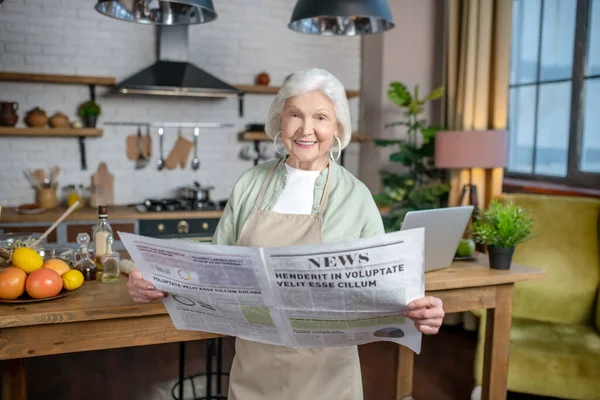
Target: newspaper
pixel 327 295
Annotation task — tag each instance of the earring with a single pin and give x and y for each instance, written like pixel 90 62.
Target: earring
pixel 339 150
pixel 275 143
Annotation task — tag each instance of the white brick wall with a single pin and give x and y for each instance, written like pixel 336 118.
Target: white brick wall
pixel 70 37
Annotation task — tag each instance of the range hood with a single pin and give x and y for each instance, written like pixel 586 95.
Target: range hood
pixel 172 74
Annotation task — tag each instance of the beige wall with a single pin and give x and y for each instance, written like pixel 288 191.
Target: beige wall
pixel 411 53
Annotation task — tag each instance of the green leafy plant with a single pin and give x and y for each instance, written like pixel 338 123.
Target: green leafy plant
pixel 89 109
pixel 502 225
pixel 422 185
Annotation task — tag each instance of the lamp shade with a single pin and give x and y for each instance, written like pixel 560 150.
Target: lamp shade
pixel 341 17
pixel 159 12
pixel 471 149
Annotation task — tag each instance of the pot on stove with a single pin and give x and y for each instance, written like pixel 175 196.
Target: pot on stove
pixel 195 193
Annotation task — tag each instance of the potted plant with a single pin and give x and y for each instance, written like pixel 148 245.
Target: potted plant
pixel 89 112
pixel 501 228
pixel 419 185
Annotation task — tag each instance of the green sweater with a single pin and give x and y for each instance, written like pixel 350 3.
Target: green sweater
pixel 351 212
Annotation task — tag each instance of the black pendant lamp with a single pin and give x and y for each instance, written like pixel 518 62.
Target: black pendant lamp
pixel 341 17
pixel 159 12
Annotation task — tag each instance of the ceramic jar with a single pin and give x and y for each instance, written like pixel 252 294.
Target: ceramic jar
pixel 59 120
pixel 263 79
pixel 8 113
pixel 36 118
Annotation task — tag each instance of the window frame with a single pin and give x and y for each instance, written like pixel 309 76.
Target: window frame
pixel 574 175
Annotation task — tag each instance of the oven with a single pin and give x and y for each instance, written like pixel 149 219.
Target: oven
pixel 200 229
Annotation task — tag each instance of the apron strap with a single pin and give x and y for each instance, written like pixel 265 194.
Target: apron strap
pixel 263 189
pixel 325 196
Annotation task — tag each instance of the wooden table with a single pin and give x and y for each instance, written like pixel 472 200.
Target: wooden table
pixel 96 316
pixel 102 316
pixel 469 286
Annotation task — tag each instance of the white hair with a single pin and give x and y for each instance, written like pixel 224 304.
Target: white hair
pixel 307 81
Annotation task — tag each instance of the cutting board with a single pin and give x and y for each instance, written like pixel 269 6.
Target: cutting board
pixel 132 147
pixel 103 186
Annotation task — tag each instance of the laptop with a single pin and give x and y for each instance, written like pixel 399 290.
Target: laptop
pixel 444 228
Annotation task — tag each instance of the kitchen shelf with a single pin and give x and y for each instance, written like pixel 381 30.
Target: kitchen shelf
pixel 67 79
pixel 262 137
pixel 50 132
pixel 90 81
pixel 263 89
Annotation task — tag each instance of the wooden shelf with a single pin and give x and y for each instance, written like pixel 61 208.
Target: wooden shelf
pixel 262 137
pixel 262 89
pixel 68 79
pixel 50 132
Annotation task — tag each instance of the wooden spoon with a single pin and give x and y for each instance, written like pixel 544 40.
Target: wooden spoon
pixel 54 225
pixel 39 176
pixel 54 174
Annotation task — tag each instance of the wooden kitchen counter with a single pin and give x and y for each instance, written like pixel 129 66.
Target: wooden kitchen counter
pixel 115 213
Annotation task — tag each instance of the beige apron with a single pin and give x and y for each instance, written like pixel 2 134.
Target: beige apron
pixel 267 372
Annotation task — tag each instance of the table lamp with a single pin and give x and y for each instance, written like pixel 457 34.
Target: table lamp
pixel 471 149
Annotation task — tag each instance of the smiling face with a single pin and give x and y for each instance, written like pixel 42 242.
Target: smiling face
pixel 308 128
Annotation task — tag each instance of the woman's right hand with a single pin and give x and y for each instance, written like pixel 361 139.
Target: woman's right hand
pixel 142 291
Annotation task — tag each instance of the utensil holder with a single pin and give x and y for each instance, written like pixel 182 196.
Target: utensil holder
pixel 46 198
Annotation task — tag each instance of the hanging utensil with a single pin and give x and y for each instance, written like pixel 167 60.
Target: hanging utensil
pixel 161 160
pixel 141 161
pixel 148 147
pixel 195 160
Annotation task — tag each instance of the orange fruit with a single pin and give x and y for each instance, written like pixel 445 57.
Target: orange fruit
pixel 12 283
pixel 43 283
pixel 58 265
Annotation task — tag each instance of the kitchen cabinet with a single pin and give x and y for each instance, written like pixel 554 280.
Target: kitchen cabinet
pixel 197 225
pixel 200 228
pixel 74 229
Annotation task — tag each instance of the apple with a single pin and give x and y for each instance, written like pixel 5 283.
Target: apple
pixel 466 248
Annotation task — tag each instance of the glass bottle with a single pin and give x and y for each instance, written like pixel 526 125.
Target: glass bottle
pixel 110 262
pixel 82 260
pixel 100 234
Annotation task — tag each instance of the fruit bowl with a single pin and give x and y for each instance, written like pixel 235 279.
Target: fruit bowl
pixel 33 279
pixel 25 298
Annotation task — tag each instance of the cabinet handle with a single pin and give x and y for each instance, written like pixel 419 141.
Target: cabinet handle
pixel 160 227
pixel 205 226
pixel 183 227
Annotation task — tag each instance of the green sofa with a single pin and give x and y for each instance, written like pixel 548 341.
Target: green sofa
pixel 555 335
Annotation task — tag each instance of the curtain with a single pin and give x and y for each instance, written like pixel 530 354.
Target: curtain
pixel 477 58
pixel 477 67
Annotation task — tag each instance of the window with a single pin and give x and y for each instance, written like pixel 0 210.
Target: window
pixel 554 110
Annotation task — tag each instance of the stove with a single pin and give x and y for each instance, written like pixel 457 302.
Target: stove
pixel 166 205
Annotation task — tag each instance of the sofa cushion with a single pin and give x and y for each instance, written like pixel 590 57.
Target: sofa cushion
pixel 565 245
pixel 550 359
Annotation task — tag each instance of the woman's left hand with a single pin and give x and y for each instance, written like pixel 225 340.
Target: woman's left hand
pixel 427 313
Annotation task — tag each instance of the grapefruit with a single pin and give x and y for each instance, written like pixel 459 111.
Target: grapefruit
pixel 12 283
pixel 27 259
pixel 58 265
pixel 43 283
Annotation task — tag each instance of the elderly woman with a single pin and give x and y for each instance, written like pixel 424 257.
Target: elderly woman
pixel 303 198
